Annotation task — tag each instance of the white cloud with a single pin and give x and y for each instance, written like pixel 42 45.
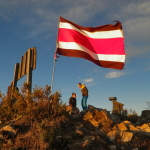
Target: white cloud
pixel 95 70
pixel 38 17
pixel 43 16
pixel 88 80
pixel 146 69
pixel 135 18
pixel 139 8
pixel 137 29
pixel 114 74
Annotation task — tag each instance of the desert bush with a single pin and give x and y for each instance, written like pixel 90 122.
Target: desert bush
pixel 45 113
pixel 129 113
pixel 38 105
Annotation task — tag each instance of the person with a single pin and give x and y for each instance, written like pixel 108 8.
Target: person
pixel 72 105
pixel 84 92
pixel 72 100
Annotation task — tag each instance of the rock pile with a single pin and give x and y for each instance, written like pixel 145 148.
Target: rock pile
pixel 97 129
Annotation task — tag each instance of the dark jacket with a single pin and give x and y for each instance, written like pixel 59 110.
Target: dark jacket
pixel 84 90
pixel 72 102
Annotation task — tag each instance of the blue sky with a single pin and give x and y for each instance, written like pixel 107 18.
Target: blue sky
pixel 34 23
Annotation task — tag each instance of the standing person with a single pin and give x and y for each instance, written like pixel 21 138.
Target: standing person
pixel 84 92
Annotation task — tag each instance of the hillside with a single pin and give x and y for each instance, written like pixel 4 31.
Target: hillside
pixel 39 121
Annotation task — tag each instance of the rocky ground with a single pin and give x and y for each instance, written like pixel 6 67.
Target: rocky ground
pixel 93 129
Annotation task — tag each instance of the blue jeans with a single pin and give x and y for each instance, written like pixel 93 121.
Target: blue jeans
pixel 83 102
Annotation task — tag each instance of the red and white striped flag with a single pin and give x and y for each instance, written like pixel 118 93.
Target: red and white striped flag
pixel 103 45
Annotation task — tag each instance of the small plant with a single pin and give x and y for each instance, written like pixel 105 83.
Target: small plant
pixel 148 105
pixel 129 113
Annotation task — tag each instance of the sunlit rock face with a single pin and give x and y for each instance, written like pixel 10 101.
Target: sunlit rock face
pixel 97 116
pixel 126 136
pixel 122 127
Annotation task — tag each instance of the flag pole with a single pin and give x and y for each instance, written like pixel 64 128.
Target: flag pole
pixel 55 56
pixel 53 76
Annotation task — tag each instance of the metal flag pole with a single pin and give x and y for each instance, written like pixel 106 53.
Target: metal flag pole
pixel 55 56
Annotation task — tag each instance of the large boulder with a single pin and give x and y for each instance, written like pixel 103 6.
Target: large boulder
pixel 122 127
pixel 133 129
pixel 144 118
pixel 121 130
pixel 97 116
pixel 112 134
pixel 126 136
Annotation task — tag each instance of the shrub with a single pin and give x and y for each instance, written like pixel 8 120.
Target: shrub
pixel 46 115
pixel 38 105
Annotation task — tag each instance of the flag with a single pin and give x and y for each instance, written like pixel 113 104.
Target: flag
pixel 103 45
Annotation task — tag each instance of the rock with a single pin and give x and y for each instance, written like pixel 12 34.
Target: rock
pixel 138 123
pixel 144 126
pixel 115 118
pixel 73 110
pixel 97 117
pixel 144 118
pixel 112 147
pixel 111 135
pixel 90 127
pixel 127 122
pixel 98 138
pixel 92 107
pixel 89 117
pixel 135 149
pixel 133 129
pixel 82 131
pixel 83 112
pixel 144 130
pixel 107 113
pixel 87 141
pixel 122 127
pixel 126 136
pixel 75 117
pixel 100 132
